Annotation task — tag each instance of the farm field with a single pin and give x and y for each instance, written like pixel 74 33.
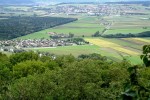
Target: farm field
pixel 130 48
pixel 85 26
pixel 80 49
pixel 114 49
pixel 74 50
pixel 106 44
pixel 128 24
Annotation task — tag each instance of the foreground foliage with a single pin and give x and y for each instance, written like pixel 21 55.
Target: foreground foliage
pixel 28 76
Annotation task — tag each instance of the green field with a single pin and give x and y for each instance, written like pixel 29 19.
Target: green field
pixel 128 24
pixel 78 50
pixel 84 26
pixel 74 50
pixel 88 49
pixel 126 31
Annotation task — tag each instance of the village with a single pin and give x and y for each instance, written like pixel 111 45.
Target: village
pixel 56 40
pixel 94 10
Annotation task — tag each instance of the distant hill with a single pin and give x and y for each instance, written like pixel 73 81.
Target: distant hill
pixel 13 2
pixel 130 2
pixel 144 3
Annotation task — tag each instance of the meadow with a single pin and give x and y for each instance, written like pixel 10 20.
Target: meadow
pixel 80 49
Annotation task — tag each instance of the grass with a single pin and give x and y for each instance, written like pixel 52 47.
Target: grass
pixel 80 49
pixel 88 49
pixel 134 60
pixel 74 50
pixel 36 35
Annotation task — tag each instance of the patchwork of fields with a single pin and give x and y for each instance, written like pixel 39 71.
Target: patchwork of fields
pixel 129 48
pixel 128 24
pixel 114 48
pixel 86 26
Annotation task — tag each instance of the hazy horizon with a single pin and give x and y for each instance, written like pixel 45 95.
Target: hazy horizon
pixel 33 1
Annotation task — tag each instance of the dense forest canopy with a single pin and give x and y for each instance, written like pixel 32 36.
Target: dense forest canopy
pixel 29 76
pixel 14 27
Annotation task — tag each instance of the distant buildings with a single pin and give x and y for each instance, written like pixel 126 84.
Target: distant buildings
pixel 93 10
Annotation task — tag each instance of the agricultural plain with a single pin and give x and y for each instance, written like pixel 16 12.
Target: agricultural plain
pixel 86 25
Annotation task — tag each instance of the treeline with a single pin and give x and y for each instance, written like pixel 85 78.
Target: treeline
pixel 18 26
pixel 121 35
pixel 28 76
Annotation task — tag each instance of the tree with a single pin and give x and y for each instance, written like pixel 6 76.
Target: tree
pixel 28 67
pixel 146 57
pixel 64 59
pixel 23 56
pixel 71 35
pixel 93 56
pixel 133 89
pixel 5 74
pixel 96 34
pixel 35 87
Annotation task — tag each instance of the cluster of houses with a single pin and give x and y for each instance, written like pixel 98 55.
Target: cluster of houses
pixel 54 35
pixel 93 10
pixel 19 45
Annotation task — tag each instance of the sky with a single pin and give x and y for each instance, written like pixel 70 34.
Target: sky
pixel 91 0
pixel 100 1
pixel 58 1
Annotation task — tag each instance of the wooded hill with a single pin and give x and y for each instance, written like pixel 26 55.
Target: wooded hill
pixel 14 27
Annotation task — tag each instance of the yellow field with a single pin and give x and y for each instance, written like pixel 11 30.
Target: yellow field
pixel 138 40
pixel 104 43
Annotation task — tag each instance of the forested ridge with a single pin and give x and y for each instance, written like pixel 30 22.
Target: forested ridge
pixel 14 27
pixel 28 76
